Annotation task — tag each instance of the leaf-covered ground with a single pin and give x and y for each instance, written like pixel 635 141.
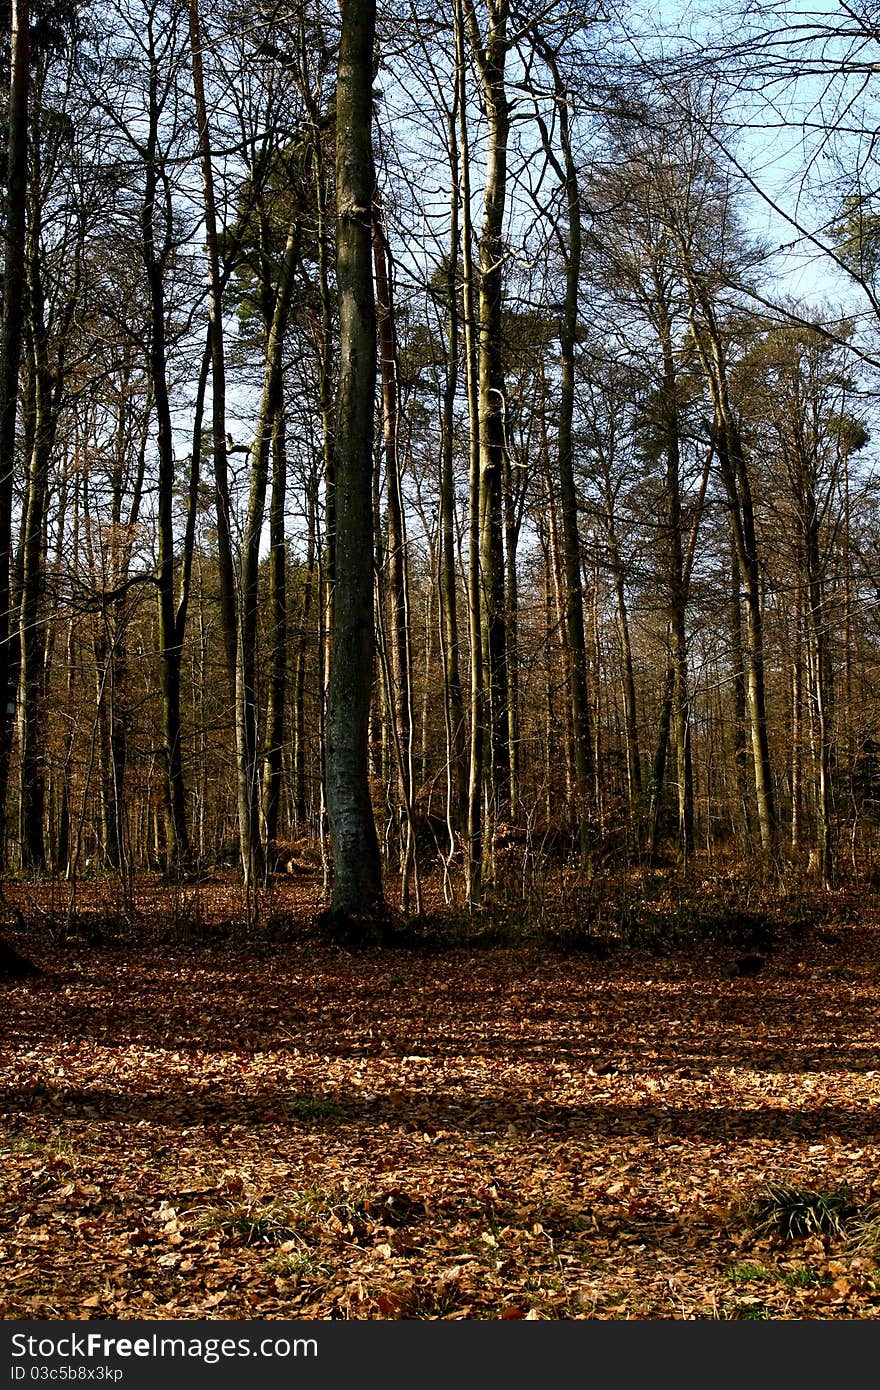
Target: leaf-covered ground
pixel 290 1130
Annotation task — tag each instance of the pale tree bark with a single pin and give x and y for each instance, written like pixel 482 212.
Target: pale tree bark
pixel 357 878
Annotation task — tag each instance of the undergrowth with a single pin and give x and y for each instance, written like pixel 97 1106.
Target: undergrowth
pixel 794 1213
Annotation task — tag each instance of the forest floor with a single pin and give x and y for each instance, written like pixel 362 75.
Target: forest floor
pixel 199 1125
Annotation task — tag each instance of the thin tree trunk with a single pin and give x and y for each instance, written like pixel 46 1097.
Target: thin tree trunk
pixel 47 385
pixel 797 700
pixel 32 647
pixel 740 750
pixel 560 632
pixel 578 694
pixel 169 635
pixel 677 595
pixel 453 703
pixel 273 773
pixel 821 693
pixel 476 760
pixel 630 708
pixel 618 570
pixel 299 716
pixel 735 476
pixel 511 543
pixel 225 564
pixel 326 406
pixel 398 578
pixel 271 404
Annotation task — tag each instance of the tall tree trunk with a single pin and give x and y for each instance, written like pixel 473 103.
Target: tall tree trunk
pixel 225 564
pixel 820 691
pixel 578 694
pixel 398 579
pixel 511 543
pixel 176 832
pixel 476 756
pixel 556 585
pixel 32 647
pixel 273 772
pixel 169 636
pixel 453 702
pixel 491 60
pixel 551 637
pixel 740 749
pixel 299 713
pixel 797 700
pixel 732 466
pixel 47 385
pixel 658 765
pixel 630 707
pixel 357 878
pixel 735 476
pixel 246 723
pixel 10 359
pixel 326 406
pixel 677 595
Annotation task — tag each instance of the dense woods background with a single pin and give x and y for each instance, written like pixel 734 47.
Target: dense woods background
pixel 623 513
pixel 437 486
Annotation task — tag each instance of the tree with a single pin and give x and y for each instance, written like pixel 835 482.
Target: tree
pixel 795 387
pixel 633 243
pixel 14 280
pixel 490 52
pixel 357 871
pixel 574 638
pixel 135 81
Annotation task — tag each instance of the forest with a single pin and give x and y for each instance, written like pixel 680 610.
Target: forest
pixel 439 660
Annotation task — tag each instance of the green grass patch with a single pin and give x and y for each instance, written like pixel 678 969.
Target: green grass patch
pixel 253 1223
pixel 746 1273
pixel 804 1278
pixel 794 1213
pixel 314 1107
